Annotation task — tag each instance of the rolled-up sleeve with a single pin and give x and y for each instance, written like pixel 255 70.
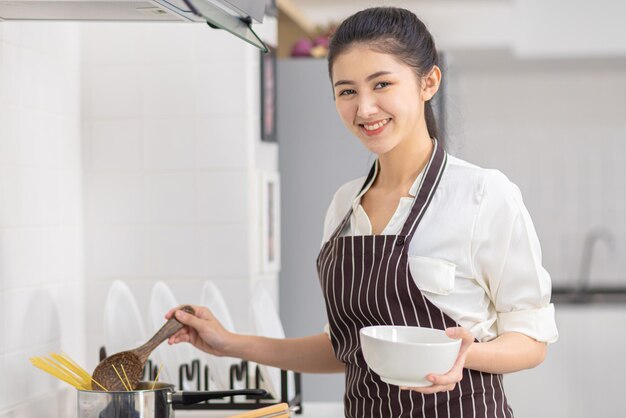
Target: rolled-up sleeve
pixel 507 260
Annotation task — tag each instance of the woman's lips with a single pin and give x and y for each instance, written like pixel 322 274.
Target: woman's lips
pixel 377 131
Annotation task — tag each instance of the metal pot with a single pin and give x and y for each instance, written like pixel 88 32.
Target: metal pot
pixel 145 402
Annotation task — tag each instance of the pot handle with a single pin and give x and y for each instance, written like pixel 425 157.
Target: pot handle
pixel 189 398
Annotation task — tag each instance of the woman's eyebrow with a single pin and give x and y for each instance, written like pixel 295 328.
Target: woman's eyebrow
pixel 368 78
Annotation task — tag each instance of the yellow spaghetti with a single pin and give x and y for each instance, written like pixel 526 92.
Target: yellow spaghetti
pixel 64 368
pixel 156 379
pixel 122 380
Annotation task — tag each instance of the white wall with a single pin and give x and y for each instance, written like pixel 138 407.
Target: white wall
pixel 171 154
pixel 127 151
pixel 41 232
pixel 557 129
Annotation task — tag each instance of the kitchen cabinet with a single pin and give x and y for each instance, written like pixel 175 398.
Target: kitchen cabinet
pixel 582 375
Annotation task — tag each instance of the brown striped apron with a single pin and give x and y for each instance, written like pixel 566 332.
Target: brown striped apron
pixel 366 281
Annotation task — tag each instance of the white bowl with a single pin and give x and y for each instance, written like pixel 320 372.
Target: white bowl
pixel 404 356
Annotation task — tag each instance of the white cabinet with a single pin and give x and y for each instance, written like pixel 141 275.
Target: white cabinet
pixel 582 375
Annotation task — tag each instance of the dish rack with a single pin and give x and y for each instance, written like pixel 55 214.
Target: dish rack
pixel 197 373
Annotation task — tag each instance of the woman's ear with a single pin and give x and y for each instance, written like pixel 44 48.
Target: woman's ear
pixel 431 83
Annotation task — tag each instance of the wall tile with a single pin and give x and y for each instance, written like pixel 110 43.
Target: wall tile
pixel 168 90
pixel 217 95
pixel 3 333
pixel 9 136
pixel 32 67
pixel 222 196
pixel 222 142
pixel 116 144
pixel 168 143
pixel 10 77
pixel 113 251
pixel 15 370
pixel 35 319
pixel 136 43
pixel 115 91
pixel 68 128
pixel 115 197
pixel 2 202
pixel 32 197
pixel 69 300
pixel 70 197
pixel 71 266
pixel 3 382
pixel 20 258
pixel 170 198
pixel 223 250
pixel 171 251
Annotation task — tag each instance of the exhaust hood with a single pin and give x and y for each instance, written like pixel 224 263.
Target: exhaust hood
pixel 234 16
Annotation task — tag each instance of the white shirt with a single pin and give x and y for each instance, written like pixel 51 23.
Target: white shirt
pixel 475 254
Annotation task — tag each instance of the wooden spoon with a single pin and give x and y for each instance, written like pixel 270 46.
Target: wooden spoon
pixel 122 371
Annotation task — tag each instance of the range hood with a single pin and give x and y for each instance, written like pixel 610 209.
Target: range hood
pixel 234 16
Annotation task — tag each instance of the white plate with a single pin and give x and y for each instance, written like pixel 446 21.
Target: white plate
pixel 123 324
pixel 267 323
pixel 162 299
pixel 220 366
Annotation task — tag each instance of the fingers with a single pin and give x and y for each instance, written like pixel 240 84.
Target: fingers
pixel 189 320
pixel 200 311
pixel 179 337
pixel 432 389
pixel 448 381
pixel 460 333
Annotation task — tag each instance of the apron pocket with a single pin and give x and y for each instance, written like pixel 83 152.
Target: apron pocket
pixel 433 275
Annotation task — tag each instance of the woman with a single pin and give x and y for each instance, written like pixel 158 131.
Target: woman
pixel 425 239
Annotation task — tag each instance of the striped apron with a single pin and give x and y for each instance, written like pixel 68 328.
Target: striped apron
pixel 366 281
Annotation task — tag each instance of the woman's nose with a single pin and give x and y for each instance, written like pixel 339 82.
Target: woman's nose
pixel 367 106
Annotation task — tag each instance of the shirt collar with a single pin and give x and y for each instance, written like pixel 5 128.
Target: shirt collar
pixel 412 191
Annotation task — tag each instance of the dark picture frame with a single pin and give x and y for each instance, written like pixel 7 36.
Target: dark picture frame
pixel 268 95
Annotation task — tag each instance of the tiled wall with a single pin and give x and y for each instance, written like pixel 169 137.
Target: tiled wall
pixel 41 232
pixel 127 151
pixel 171 157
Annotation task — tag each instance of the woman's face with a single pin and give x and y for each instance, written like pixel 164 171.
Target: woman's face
pixel 379 98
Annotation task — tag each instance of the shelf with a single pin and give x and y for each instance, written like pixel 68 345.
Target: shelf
pixel 292 25
pixel 591 295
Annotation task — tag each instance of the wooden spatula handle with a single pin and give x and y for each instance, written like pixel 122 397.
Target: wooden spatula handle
pixel 171 327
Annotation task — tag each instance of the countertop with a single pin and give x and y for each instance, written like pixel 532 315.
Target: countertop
pixel 310 410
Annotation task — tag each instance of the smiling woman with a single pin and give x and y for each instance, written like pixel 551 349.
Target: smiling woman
pixel 386 107
pixel 424 240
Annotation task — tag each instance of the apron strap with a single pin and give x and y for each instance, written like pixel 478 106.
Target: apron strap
pixel 346 218
pixel 425 192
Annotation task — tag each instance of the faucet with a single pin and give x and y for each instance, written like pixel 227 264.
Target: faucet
pixel 599 233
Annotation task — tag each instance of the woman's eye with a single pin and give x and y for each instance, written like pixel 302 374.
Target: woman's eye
pixel 346 92
pixel 382 84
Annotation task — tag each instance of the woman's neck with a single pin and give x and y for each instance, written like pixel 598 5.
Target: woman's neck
pixel 401 166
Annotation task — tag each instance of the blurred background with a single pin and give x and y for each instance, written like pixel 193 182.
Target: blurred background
pixel 163 152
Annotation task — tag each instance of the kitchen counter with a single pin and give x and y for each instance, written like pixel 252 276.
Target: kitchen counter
pixel 311 410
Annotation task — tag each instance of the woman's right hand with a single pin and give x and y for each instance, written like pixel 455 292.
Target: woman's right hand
pixel 202 330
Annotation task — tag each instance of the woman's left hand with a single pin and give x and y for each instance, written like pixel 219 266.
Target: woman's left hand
pixel 448 381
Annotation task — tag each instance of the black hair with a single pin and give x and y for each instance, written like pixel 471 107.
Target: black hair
pixel 393 31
